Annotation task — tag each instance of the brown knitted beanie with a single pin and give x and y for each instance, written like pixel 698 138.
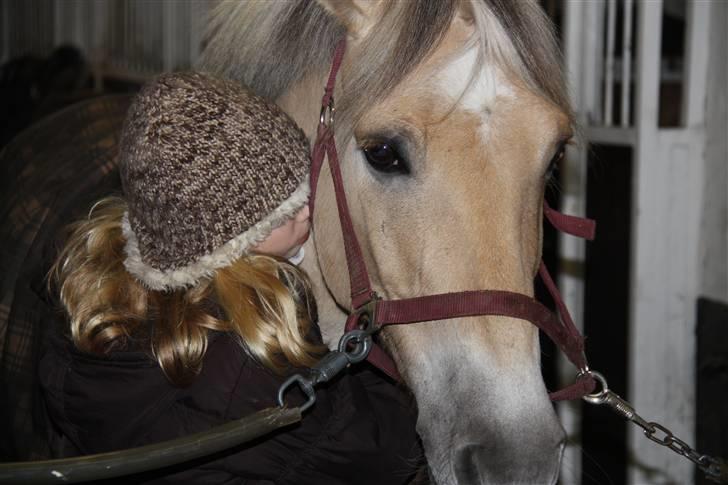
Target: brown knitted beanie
pixel 208 169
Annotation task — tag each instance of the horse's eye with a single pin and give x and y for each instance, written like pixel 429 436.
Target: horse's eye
pixel 554 163
pixel 384 157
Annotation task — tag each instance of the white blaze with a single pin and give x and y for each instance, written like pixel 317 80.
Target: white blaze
pixel 474 87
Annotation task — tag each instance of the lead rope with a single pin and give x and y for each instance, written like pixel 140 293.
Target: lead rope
pixel 114 464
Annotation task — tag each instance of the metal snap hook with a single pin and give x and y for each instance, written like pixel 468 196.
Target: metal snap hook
pixel 305 385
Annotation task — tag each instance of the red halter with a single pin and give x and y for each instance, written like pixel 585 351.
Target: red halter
pixel 378 313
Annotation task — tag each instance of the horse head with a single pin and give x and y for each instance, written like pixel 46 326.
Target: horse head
pixel 449 117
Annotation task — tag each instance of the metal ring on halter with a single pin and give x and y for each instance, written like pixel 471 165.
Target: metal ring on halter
pixel 597 397
pixel 363 341
pixel 367 314
pixel 326 117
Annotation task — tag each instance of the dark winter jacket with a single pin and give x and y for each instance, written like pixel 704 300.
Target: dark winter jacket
pixel 360 431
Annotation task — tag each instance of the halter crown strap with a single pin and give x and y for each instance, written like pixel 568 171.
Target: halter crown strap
pixel 325 131
pixel 361 291
pixel 448 305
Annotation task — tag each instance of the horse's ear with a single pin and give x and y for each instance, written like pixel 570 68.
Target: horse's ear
pixel 357 16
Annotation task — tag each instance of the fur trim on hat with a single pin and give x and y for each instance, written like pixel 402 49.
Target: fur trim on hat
pixel 205 266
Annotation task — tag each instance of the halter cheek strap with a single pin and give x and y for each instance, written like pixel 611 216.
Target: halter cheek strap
pixel 375 313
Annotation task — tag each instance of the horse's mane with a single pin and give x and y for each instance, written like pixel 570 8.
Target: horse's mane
pixel 270 45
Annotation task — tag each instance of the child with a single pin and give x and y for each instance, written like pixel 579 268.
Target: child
pixel 184 312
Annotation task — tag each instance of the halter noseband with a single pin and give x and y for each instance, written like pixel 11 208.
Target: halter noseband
pixel 373 313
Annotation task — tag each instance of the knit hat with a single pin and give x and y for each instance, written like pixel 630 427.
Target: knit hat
pixel 208 170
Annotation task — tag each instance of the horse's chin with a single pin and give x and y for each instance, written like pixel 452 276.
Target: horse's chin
pixel 495 462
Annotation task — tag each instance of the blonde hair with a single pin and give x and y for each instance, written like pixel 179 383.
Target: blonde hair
pixel 264 301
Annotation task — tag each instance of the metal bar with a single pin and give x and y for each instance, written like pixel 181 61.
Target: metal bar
pixel 138 41
pixel 14 38
pixel 129 58
pixel 36 42
pixel 113 20
pixel 13 6
pixel 695 66
pixel 184 31
pixel 196 22
pixel 609 62
pixel 122 61
pixel 168 36
pixel 150 457
pixel 153 59
pixel 48 24
pixel 626 63
pixel 32 39
pixel 593 75
pixel 78 25
pixel 99 49
pixel 648 65
pixel 5 33
pixel 17 33
pixel 156 59
pixel 89 40
pixel 143 34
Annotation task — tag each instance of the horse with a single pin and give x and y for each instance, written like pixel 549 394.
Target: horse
pixel 450 117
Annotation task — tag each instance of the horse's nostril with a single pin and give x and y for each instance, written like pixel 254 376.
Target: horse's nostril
pixel 467 463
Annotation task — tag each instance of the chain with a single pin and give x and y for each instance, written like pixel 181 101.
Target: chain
pixel 662 436
pixel 715 469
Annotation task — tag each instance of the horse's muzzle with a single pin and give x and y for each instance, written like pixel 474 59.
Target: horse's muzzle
pixel 521 459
